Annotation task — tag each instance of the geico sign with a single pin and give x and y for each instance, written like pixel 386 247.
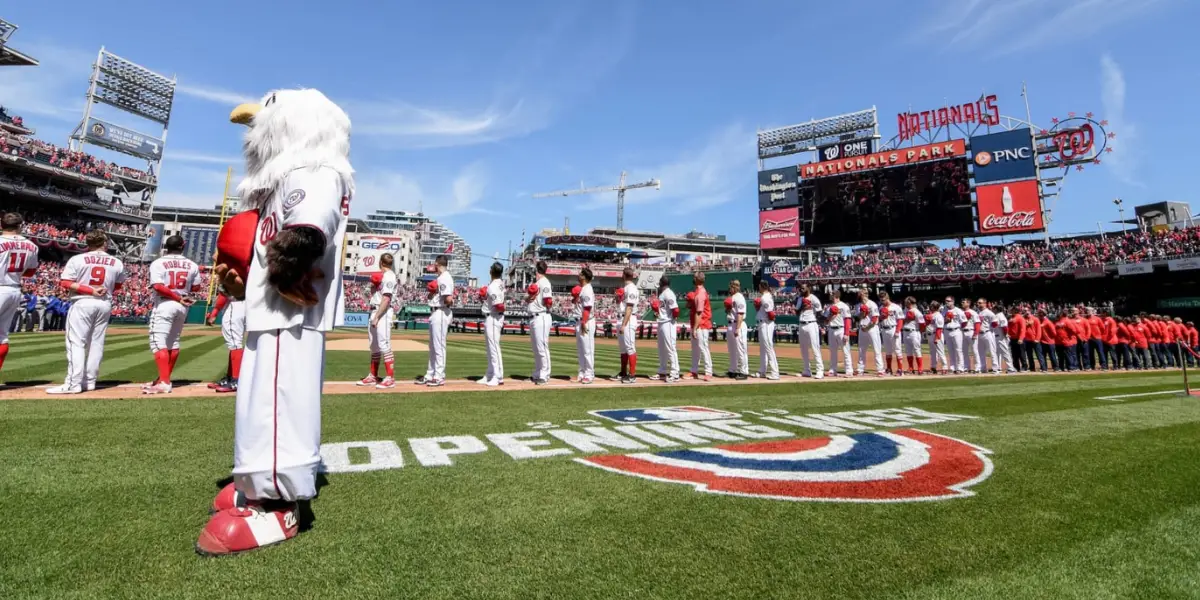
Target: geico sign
pixel 984 158
pixel 369 245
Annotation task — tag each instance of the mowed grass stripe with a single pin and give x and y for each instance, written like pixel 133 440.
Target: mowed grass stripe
pixel 197 362
pixel 52 363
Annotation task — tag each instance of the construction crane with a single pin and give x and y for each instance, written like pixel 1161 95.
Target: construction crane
pixel 619 189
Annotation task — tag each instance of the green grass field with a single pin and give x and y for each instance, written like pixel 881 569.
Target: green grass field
pixel 1088 498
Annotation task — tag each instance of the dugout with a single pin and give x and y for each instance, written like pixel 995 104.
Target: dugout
pixel 717 284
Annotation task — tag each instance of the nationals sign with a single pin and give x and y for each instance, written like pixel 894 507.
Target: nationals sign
pixel 983 112
pixel 779 228
pixel 886 158
pixel 1009 207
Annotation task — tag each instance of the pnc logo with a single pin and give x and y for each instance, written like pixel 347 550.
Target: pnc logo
pixel 983 158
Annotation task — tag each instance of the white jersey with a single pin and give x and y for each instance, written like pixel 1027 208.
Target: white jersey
pixel 94 269
pixel 177 272
pixel 889 314
pixel 495 297
pixel 666 306
pixel 537 304
pixel 387 287
pixel 987 319
pixel 632 296
pixel 912 319
pixel 315 198
pixel 1000 324
pixel 808 314
pixel 970 318
pixel 939 322
pixel 17 255
pixel 739 308
pixel 587 300
pixel 766 304
pixel 955 318
pixel 445 287
pixel 866 312
pixel 837 320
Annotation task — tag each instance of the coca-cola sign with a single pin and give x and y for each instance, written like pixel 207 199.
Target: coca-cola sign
pixel 1009 207
pixel 779 228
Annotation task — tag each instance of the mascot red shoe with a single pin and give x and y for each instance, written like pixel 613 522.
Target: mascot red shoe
pixel 282 257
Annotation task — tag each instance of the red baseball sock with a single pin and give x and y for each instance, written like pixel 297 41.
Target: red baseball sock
pixel 174 358
pixel 920 364
pixel 633 365
pixel 889 363
pixel 162 358
pixel 388 363
pixel 235 363
pixel 375 364
pixel 624 364
pixel 3 353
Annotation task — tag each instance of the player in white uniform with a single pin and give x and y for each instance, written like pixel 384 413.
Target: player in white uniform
pixel 233 330
pixel 492 296
pixel 808 306
pixel 1000 334
pixel 629 323
pixel 890 316
pixel 700 310
pixel 91 278
pixel 935 332
pixel 910 331
pixel 441 298
pixel 585 335
pixel 955 321
pixel 971 329
pixel 666 309
pixel 837 325
pixel 541 299
pixel 379 329
pixel 987 336
pixel 173 277
pixel 764 304
pixel 867 314
pixel 735 332
pixel 18 259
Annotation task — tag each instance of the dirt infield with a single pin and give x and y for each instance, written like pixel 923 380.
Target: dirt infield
pixel 360 344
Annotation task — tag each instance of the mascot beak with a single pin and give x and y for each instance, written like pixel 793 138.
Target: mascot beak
pixel 244 113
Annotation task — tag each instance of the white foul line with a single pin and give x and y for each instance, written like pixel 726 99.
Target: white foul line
pixel 1122 396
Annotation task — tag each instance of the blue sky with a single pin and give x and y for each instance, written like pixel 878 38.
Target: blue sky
pixel 466 108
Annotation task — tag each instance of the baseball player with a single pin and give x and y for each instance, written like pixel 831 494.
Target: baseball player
pixel 233 329
pixel 890 317
pixel 541 299
pixel 441 298
pixel 493 325
pixel 837 324
pixel 768 365
pixel 1031 340
pixel 91 278
pixel 379 330
pixel 666 310
pixel 585 336
pixel 910 331
pixel 629 323
pixel 172 278
pixel 1000 338
pixel 18 259
pixel 735 337
pixel 935 329
pixel 971 327
pixel 868 333
pixel 808 306
pixel 1049 335
pixel 986 339
pixel 956 319
pixel 700 314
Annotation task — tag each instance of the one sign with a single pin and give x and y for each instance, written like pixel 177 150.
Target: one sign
pixel 983 112
pixel 102 133
pixel 779 228
pixel 848 149
pixel 1135 269
pixel 371 248
pixel 1183 264
pixel 886 158
pixel 1009 207
pixel 1005 156
pixel 777 188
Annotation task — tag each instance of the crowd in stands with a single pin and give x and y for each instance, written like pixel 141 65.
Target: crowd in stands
pixel 46 227
pixel 64 158
pixel 1133 247
pixel 15 120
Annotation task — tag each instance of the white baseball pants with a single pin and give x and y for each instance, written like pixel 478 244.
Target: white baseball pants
pixel 839 347
pixel 810 350
pixel 987 345
pixel 87 324
pixel 233 324
pixel 539 338
pixel 971 352
pixel 10 302
pixel 890 341
pixel 439 324
pixel 869 340
pixel 277 415
pixel 166 325
pixel 668 355
pixel 954 349
pixel 768 364
pixel 492 326
pixel 585 350
pixel 736 345
pixel 700 352
pixel 627 338
pixel 937 353
pixel 912 343
pixel 1005 352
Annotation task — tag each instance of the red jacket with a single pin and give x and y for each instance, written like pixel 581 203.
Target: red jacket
pixel 1095 328
pixel 1140 334
pixel 1193 337
pixel 1016 327
pixel 1123 336
pixel 703 310
pixel 1033 329
pixel 1049 331
pixel 1110 330
pixel 1066 332
pixel 1153 333
pixel 1082 330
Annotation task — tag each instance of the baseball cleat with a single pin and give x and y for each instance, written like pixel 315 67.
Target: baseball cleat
pixel 386 383
pixel 693 375
pixel 63 389
pixel 706 377
pixel 494 383
pixel 157 388
pixel 422 380
pixel 227 498
pixel 656 377
pixel 540 382
pixel 818 377
pixel 482 381
pixel 586 381
pixel 226 387
pixel 629 380
pixel 246 528
pixel 756 375
pixel 368 380
pixel 672 378
pixel 617 377
pixel 435 382
pixel 772 377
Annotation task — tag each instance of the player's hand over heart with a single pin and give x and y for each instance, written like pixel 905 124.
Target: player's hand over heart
pixel 231 280
pixel 100 291
pixel 187 301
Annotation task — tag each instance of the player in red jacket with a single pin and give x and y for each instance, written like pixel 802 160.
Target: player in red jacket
pixel 1049 333
pixel 1108 334
pixel 1095 350
pixel 1016 333
pixel 1139 333
pixel 1067 341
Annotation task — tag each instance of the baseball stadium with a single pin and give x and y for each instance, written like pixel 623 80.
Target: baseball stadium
pixel 911 385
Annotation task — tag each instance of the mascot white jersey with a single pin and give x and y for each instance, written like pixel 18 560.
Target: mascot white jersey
pixel 299 179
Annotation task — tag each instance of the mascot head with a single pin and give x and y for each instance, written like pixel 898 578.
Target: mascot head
pixel 289 130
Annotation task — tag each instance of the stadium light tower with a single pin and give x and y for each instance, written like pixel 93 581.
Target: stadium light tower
pixel 1120 211
pixel 9 56
pixel 620 189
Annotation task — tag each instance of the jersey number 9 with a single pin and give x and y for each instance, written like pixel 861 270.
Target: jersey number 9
pixel 98 274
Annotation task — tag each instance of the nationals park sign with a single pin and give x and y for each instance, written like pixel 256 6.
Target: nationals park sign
pixel 886 158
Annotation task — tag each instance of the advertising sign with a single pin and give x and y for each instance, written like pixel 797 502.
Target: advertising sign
pixel 983 111
pixel 200 244
pixel 1183 264
pixel 1089 272
pixel 781 273
pixel 121 139
pixel 1186 302
pixel 1135 269
pixel 886 158
pixel 1009 207
pixel 357 319
pixel 1005 156
pixel 370 248
pixel 154 242
pixel 777 188
pixel 779 228
pixel 848 149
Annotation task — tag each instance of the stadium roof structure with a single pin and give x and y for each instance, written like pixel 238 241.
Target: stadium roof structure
pixel 9 56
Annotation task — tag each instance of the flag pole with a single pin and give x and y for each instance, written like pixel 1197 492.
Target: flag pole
pixel 212 280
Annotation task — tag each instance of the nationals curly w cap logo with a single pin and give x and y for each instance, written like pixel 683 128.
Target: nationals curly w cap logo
pixel 906 465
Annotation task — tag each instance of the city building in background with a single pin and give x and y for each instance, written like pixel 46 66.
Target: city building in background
pixel 433 237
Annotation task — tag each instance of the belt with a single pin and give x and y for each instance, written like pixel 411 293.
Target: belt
pixel 910 329
pixel 835 327
pixel 952 329
pixel 807 322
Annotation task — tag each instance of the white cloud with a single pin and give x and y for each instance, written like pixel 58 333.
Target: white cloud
pixel 53 90
pixel 201 157
pixel 395 190
pixel 1123 159
pixel 403 125
pixel 214 94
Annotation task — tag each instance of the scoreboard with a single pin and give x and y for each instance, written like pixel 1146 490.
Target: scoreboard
pixel 200 244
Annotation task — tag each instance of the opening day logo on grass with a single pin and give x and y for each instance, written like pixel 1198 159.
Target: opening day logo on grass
pixel 674 444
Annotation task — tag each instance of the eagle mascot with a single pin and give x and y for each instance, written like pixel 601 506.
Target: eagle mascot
pixel 282 256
